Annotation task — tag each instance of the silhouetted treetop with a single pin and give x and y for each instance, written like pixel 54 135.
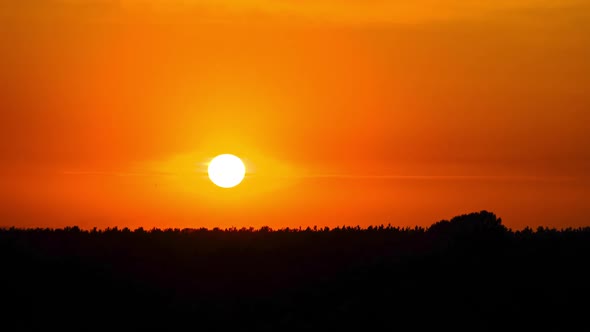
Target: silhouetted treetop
pixel 470 224
pixel 466 224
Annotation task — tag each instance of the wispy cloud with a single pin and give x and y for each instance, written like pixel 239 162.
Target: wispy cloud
pixel 343 176
pixel 439 177
pixel 121 174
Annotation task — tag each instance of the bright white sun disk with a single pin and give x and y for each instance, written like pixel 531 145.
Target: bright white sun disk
pixel 226 170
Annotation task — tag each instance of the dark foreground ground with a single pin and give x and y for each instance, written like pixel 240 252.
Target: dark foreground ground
pixel 470 273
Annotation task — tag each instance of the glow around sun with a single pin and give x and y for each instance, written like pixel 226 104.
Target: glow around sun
pixel 226 170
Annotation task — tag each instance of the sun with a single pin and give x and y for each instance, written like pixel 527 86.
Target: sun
pixel 226 170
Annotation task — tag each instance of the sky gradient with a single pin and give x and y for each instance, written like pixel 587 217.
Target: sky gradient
pixel 345 112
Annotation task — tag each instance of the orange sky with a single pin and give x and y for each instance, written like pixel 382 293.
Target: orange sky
pixel 345 112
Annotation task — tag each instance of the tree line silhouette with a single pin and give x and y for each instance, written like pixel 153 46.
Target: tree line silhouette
pixel 470 272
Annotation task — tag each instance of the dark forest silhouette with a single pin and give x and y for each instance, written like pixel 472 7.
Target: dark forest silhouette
pixel 470 272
